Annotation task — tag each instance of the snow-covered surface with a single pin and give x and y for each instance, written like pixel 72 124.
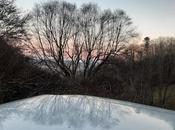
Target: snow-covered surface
pixel 49 112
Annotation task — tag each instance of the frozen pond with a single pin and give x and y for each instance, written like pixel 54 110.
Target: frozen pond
pixel 49 112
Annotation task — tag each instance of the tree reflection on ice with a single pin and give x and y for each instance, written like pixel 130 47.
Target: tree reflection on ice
pixel 83 112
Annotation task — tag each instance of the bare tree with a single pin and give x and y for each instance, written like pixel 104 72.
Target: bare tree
pixel 71 40
pixel 163 53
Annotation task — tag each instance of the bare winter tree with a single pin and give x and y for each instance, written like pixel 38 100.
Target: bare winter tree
pixel 163 51
pixel 71 40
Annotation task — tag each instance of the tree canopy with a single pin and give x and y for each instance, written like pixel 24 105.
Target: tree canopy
pixel 72 39
pixel 12 23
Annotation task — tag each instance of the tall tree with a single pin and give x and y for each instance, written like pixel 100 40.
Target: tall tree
pixel 72 40
pixel 12 23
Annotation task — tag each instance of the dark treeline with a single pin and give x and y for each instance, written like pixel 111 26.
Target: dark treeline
pixel 82 50
pixel 141 74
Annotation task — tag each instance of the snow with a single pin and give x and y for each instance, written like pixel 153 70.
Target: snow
pixel 75 112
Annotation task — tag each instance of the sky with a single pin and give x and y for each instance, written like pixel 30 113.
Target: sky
pixel 153 18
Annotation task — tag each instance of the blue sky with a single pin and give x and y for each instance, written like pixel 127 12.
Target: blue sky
pixel 152 18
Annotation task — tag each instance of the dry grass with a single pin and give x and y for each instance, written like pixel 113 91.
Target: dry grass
pixel 170 99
